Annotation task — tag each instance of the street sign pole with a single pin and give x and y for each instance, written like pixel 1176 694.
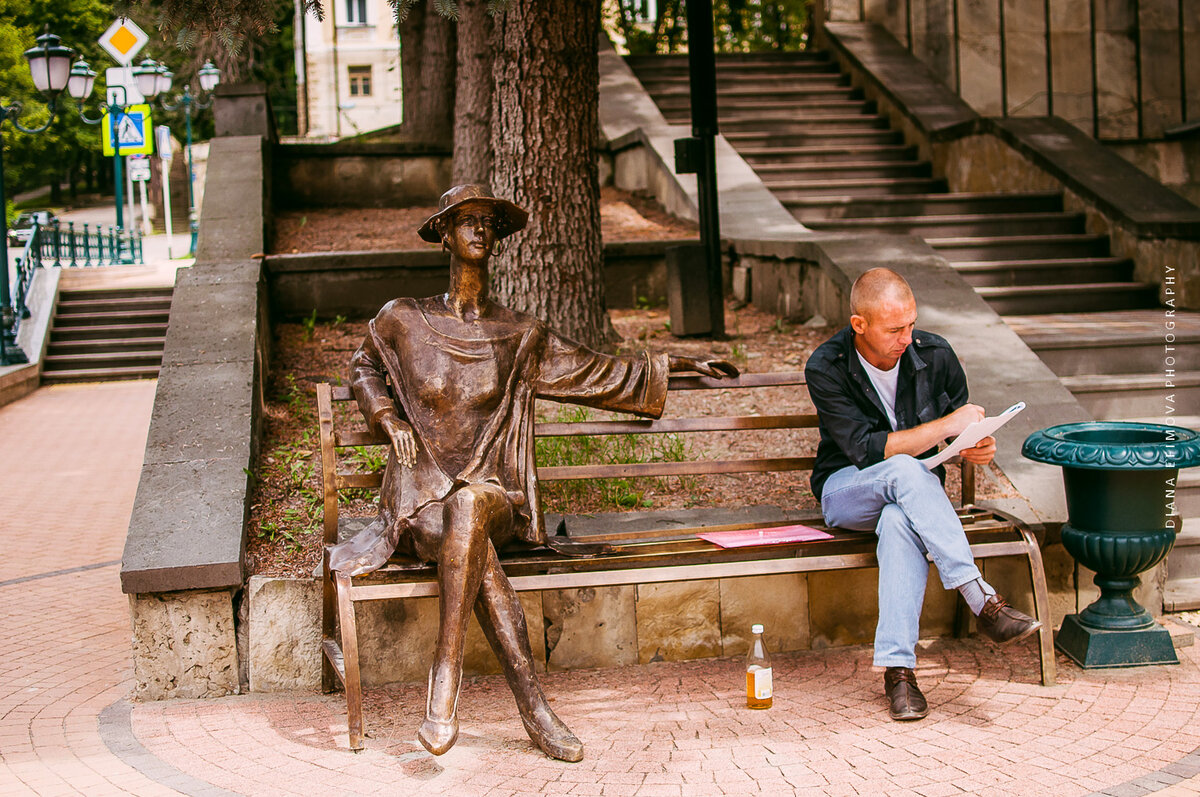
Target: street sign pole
pixel 162 142
pixel 123 40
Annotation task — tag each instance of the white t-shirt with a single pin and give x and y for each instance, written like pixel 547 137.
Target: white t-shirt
pixel 885 383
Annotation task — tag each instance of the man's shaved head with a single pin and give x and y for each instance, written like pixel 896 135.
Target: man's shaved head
pixel 878 287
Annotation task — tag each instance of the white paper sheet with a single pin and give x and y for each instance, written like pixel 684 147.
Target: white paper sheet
pixel 972 435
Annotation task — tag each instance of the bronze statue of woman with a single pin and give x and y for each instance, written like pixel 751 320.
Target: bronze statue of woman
pixel 452 380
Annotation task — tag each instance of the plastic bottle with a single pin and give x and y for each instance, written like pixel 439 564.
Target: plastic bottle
pixel 758 672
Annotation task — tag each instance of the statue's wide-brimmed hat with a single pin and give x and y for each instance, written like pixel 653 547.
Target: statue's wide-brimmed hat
pixel 509 217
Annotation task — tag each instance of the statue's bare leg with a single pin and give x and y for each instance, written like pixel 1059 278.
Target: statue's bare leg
pixel 503 621
pixel 469 516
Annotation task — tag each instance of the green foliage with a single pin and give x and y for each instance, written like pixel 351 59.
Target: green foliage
pixel 602 494
pixel 740 25
pixel 310 325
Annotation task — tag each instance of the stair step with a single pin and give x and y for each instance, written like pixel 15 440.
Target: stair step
pixel 851 207
pixel 1069 352
pixel 1119 396
pixel 113 293
pixel 109 319
pixel 770 172
pixel 100 374
pixel 74 306
pixel 874 153
pixel 1091 297
pixel 131 344
pixel 102 331
pixel 103 359
pixel 965 224
pixel 681 59
pixel 810 123
pixel 786 191
pixel 769 106
pixel 1182 595
pixel 734 94
pixel 831 137
pixel 1062 271
pixel 1020 247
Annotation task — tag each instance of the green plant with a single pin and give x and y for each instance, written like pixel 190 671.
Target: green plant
pixel 738 353
pixel 601 494
pixel 369 460
pixel 781 326
pixel 310 325
pixel 338 320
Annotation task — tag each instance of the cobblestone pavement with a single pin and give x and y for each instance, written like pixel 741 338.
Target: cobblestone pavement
pixel 69 468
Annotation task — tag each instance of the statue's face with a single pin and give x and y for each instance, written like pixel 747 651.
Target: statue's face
pixel 472 234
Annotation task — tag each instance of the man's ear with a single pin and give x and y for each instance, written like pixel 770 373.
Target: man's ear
pixel 858 324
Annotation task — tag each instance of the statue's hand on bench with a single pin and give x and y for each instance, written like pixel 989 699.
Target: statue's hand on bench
pixel 709 366
pixel 403 441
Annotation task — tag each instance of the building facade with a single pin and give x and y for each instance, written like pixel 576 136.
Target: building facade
pixel 348 69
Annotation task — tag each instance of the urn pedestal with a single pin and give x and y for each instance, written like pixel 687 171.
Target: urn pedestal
pixel 1120 482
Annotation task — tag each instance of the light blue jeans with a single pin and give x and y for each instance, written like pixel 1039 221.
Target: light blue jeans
pixel 906 506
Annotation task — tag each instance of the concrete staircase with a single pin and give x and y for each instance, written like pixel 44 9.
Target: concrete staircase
pixel 107 334
pixel 834 162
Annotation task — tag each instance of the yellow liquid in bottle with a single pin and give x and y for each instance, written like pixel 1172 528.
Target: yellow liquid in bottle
pixel 758 700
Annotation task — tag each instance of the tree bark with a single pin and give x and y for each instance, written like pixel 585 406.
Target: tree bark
pixel 545 134
pixel 427 63
pixel 473 95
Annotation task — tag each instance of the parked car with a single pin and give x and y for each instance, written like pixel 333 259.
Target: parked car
pixel 22 229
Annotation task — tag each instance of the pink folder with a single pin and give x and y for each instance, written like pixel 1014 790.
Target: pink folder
pixel 775 535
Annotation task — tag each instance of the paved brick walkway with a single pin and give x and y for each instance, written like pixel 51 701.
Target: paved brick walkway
pixel 69 466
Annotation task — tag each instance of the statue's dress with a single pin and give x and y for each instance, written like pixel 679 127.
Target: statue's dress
pixel 468 389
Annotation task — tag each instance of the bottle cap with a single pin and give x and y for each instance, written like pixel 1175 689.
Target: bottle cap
pixel 756 628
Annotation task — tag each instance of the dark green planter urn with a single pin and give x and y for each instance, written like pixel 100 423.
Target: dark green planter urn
pixel 1120 480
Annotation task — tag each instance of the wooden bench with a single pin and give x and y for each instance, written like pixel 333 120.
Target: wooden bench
pixel 635 557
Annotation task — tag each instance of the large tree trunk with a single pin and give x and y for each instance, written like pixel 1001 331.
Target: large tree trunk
pixel 427 59
pixel 473 103
pixel 545 133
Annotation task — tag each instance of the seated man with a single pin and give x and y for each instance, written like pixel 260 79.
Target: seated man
pixel 887 393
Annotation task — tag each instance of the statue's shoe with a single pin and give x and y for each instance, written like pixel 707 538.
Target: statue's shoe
pixel 438 734
pixel 552 736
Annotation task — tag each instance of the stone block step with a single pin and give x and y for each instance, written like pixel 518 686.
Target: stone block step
pixel 1182 595
pixel 789 190
pixel 809 123
pixel 112 318
pixel 675 94
pixel 1073 353
pixel 781 70
pixel 130 344
pixel 967 224
pixel 100 374
pixel 1187 499
pixel 772 172
pixel 723 59
pixel 850 207
pixel 1121 396
pixel 114 293
pixel 73 306
pixel 1020 247
pixel 793 80
pixel 767 106
pixel 882 153
pixel 103 331
pixel 833 137
pixel 109 359
pixel 1088 297
pixel 1062 271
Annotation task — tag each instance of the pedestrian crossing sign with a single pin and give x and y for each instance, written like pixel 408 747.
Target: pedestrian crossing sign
pixel 134 131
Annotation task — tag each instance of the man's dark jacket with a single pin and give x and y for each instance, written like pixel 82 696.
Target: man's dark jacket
pixel 854 426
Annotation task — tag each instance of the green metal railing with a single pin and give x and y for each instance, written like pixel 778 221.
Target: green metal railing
pixel 66 247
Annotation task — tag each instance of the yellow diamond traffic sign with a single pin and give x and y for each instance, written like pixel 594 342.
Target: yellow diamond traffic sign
pixel 123 40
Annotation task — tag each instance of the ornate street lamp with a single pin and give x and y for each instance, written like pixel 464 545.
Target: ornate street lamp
pixel 208 77
pixel 50 69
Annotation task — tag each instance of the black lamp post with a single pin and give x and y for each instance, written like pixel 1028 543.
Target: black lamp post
pixel 50 68
pixel 154 80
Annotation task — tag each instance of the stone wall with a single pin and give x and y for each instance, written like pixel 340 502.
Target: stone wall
pixel 1118 70
pixel 359 175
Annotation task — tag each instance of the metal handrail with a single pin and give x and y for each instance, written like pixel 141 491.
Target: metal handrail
pixel 50 245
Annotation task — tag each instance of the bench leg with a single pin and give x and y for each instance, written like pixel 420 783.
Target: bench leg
pixel 354 713
pixel 1041 603
pixel 329 679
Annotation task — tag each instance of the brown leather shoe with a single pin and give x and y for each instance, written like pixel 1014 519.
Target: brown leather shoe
pixel 1002 623
pixel 905 701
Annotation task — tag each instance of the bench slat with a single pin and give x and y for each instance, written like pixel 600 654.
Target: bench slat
pixel 692 468
pixel 666 425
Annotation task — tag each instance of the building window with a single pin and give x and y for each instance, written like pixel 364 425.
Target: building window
pixel 360 81
pixel 356 12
